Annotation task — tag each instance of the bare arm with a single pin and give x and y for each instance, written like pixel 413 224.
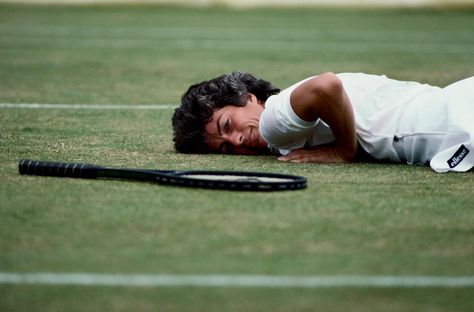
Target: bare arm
pixel 324 97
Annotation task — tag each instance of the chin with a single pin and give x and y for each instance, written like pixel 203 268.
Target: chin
pixel 257 150
pixel 262 145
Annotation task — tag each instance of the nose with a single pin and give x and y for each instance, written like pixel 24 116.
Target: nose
pixel 236 138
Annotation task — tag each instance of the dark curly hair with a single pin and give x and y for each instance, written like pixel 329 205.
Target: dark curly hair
pixel 201 100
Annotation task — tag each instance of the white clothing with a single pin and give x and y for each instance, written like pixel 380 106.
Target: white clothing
pixel 395 120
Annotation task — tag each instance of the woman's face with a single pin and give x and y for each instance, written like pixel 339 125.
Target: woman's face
pixel 234 129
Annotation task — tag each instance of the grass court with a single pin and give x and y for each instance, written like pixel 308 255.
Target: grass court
pixel 352 220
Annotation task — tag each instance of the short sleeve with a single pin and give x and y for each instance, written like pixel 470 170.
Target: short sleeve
pixel 279 125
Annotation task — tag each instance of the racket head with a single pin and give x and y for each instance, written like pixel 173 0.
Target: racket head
pixel 233 180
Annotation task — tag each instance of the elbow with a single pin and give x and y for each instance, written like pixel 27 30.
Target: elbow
pixel 351 155
pixel 347 153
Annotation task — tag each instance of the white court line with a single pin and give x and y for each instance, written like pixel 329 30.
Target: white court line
pixel 87 106
pixel 266 281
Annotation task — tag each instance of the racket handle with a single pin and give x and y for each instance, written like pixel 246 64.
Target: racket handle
pixel 57 169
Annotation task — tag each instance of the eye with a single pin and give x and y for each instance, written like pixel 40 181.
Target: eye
pixel 227 125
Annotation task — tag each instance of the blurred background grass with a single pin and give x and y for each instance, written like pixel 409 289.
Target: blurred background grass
pixel 138 54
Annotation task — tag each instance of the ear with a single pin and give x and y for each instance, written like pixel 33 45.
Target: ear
pixel 252 99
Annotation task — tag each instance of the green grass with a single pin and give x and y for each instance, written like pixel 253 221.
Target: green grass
pixel 358 219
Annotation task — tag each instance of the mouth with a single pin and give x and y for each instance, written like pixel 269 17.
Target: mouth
pixel 252 139
pixel 248 141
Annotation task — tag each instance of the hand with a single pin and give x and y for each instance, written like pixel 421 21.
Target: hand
pixel 317 154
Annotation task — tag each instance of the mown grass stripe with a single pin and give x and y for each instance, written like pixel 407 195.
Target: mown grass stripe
pixel 238 45
pixel 265 281
pixel 212 32
pixel 87 106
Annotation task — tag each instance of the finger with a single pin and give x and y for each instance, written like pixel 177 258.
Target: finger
pixel 303 159
pixel 290 156
pixel 286 157
pixel 296 160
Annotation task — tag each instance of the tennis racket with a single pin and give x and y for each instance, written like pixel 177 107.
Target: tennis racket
pixel 223 180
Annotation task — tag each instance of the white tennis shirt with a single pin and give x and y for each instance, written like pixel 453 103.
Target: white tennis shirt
pixel 399 121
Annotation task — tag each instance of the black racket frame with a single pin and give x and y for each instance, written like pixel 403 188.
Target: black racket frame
pixel 166 177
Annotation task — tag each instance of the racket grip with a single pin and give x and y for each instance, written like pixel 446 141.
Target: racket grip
pixel 57 169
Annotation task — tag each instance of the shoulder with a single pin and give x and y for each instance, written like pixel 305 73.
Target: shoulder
pixel 325 84
pixel 318 95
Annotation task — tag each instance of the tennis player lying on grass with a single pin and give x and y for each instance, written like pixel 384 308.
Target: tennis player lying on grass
pixel 331 118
